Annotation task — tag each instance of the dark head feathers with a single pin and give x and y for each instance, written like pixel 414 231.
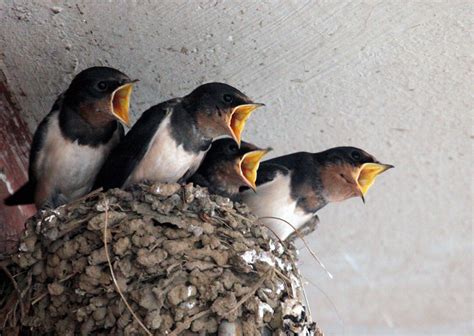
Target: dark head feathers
pixel 228 149
pixel 352 155
pixel 215 96
pixel 96 82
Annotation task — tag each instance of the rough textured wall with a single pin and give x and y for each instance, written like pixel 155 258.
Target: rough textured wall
pixel 394 78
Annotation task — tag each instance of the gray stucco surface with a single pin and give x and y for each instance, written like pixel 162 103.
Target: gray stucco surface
pixel 394 78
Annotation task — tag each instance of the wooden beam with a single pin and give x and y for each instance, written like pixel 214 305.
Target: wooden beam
pixel 15 140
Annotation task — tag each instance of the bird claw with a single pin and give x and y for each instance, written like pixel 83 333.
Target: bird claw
pixel 307 228
pixel 55 201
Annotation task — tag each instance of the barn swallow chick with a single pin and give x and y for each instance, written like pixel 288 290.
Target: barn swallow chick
pixel 295 186
pixel 73 140
pixel 169 141
pixel 226 168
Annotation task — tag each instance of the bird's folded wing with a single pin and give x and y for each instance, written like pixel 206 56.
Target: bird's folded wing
pixel 131 150
pixel 268 171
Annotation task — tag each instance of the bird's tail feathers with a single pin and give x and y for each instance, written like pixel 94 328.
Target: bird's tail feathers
pixel 24 195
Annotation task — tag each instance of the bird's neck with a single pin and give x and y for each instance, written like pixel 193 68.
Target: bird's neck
pixel 224 188
pixel 227 182
pixel 75 127
pixel 186 133
pixel 307 185
pixel 338 182
pixel 219 179
pixel 310 197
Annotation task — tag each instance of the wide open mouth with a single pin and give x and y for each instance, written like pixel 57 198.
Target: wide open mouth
pixel 367 174
pixel 249 164
pixel 121 103
pixel 238 117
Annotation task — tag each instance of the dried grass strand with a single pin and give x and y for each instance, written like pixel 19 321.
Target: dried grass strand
pixel 17 289
pixel 250 293
pixel 331 302
pixel 187 323
pixel 300 278
pixel 313 254
pixel 308 305
pixel 40 297
pixel 85 197
pixel 106 248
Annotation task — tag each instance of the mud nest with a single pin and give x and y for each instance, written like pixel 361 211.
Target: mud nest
pixel 162 259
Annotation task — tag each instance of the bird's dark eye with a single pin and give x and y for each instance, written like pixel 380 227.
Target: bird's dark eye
pixel 102 86
pixel 227 98
pixel 355 155
pixel 233 148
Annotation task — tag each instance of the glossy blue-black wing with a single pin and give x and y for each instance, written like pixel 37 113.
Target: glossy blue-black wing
pixel 130 151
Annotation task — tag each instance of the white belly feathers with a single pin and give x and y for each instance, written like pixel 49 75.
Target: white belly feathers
pixel 273 199
pixel 164 161
pixel 65 167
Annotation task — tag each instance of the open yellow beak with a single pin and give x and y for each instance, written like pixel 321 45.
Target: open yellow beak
pixel 249 165
pixel 238 117
pixel 121 103
pixel 367 174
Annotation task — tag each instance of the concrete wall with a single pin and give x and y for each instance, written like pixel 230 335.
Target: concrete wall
pixel 394 78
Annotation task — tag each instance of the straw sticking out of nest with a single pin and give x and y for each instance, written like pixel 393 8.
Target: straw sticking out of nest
pixel 165 259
